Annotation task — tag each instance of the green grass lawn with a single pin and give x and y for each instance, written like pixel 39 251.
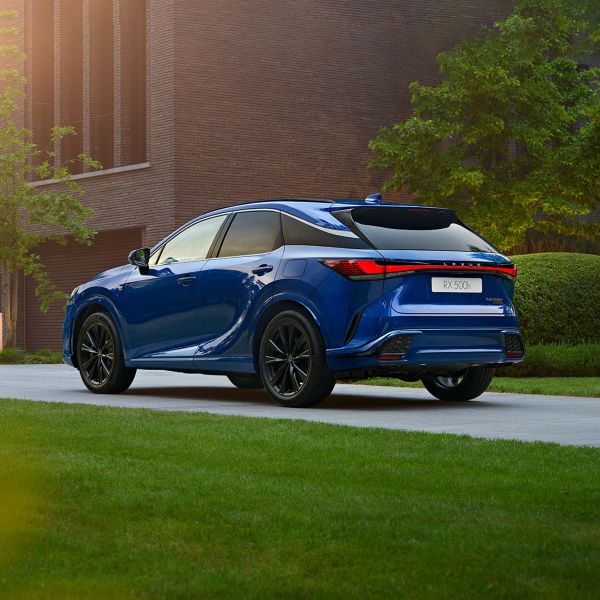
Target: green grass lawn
pixel 116 503
pixel 559 386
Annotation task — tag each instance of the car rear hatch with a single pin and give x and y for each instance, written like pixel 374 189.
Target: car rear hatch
pixel 433 263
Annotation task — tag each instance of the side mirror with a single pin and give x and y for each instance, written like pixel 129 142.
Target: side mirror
pixel 140 258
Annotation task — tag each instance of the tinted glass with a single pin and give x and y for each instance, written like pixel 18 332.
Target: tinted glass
pixel 192 243
pixel 298 233
pixel 396 228
pixel 252 232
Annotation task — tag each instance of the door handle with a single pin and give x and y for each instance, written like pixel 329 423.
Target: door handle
pixel 262 269
pixel 186 280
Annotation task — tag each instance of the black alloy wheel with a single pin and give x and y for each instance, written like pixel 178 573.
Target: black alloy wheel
pixel 100 356
pixel 98 352
pixel 292 361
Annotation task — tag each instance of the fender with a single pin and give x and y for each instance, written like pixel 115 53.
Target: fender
pixel 98 296
pixel 300 299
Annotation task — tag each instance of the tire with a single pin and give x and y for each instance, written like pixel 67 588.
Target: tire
pixel 292 361
pixel 331 386
pixel 100 356
pixel 461 386
pixel 246 382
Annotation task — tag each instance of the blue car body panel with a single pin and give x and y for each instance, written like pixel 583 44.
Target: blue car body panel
pixel 204 315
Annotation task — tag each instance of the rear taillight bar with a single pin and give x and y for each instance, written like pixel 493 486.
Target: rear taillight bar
pixel 370 268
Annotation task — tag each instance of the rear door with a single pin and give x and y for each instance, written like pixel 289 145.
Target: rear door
pixel 238 279
pixel 434 263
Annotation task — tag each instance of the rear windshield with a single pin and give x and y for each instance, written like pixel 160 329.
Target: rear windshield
pixel 403 228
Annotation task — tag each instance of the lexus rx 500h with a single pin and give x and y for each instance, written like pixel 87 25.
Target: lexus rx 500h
pixel 291 295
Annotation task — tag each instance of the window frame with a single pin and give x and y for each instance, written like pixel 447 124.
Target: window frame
pixel 227 225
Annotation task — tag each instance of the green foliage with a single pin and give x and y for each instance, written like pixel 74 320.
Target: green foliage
pixel 44 357
pixel 511 136
pixel 30 215
pixel 557 360
pixel 16 356
pixel 553 386
pixel 12 356
pixel 557 297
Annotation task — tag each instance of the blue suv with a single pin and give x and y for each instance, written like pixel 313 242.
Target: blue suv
pixel 292 295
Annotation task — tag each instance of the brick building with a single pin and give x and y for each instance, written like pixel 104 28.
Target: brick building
pixel 193 105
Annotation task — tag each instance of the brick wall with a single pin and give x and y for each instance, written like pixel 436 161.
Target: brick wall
pixel 278 99
pixel 250 99
pixel 68 266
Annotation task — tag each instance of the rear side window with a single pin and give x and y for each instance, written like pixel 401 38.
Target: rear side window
pixel 404 228
pixel 252 232
pixel 298 233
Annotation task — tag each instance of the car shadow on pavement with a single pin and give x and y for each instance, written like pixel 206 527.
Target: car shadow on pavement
pixel 337 401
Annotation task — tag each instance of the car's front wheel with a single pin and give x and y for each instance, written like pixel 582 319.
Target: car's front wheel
pixel 100 356
pixel 292 361
pixel 459 386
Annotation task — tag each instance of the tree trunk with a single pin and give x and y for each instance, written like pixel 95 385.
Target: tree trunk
pixel 10 293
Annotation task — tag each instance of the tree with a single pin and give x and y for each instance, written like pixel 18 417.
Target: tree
pixel 510 138
pixel 30 215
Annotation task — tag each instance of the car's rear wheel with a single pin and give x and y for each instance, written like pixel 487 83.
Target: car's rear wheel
pixel 246 382
pixel 461 385
pixel 292 361
pixel 100 356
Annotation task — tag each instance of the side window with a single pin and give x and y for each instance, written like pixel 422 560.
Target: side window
pixel 298 233
pixel 252 232
pixel 192 243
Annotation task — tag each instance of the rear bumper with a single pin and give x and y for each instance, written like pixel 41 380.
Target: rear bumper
pixel 428 350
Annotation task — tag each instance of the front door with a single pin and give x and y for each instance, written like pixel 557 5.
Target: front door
pixel 161 307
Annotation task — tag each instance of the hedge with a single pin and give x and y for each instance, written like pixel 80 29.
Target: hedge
pixel 556 360
pixel 16 356
pixel 557 297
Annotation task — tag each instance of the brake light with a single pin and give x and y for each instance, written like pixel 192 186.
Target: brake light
pixel 357 268
pixel 508 270
pixel 368 268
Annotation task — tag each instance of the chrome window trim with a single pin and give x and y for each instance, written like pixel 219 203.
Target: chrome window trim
pixel 347 233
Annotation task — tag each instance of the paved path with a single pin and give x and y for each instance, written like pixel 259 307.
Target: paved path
pixel 566 420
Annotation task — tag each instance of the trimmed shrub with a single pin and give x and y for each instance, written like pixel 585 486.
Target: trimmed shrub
pixel 44 357
pixel 12 356
pixel 556 360
pixel 16 356
pixel 557 297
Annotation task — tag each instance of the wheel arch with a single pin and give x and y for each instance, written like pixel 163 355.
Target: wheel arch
pixel 273 309
pixel 92 305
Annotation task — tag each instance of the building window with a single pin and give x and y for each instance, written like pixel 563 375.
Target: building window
pixel 100 53
pixel 42 74
pixel 71 82
pixel 133 80
pixel 101 77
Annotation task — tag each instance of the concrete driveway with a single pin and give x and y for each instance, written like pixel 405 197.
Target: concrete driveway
pixel 565 420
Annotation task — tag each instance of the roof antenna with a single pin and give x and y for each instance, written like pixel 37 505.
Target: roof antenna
pixel 373 199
